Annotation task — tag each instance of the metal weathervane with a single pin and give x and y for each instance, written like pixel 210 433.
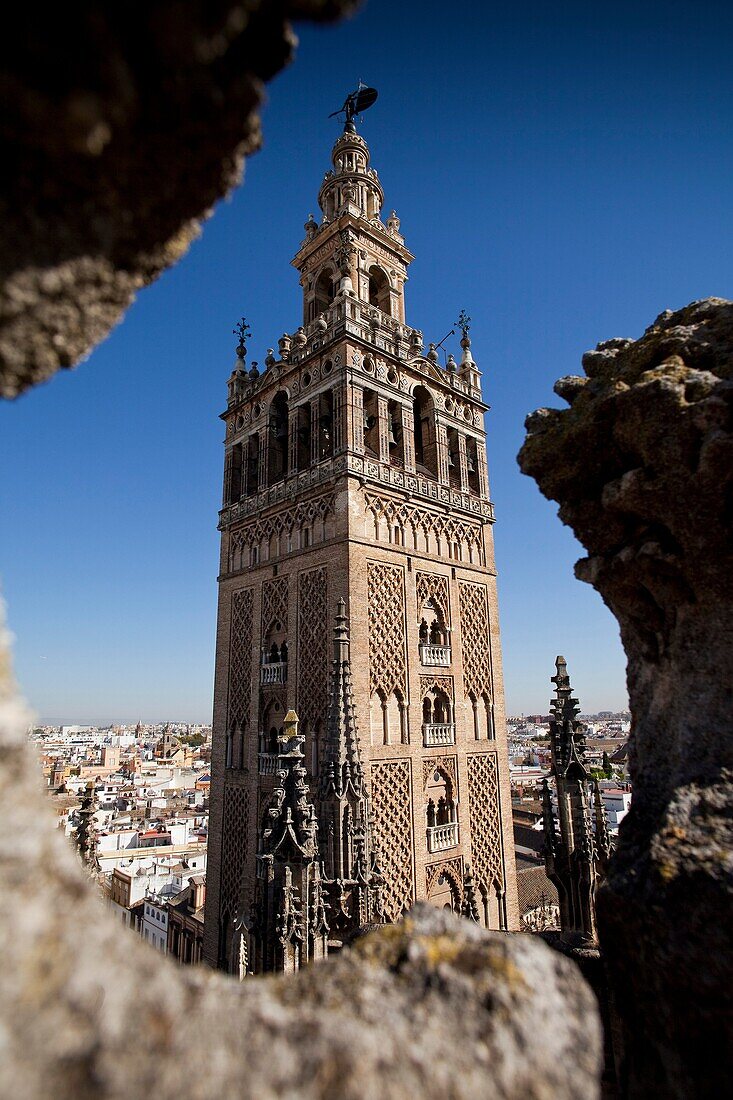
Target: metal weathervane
pixel 464 323
pixel 355 104
pixel 243 331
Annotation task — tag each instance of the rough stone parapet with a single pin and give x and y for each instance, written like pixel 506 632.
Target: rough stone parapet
pixel 642 467
pixel 121 127
pixel 434 1006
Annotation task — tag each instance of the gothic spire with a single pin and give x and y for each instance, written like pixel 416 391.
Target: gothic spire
pixel 567 734
pixel 342 766
pixel 291 829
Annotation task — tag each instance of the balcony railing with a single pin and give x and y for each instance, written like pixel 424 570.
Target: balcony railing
pixel 438 734
pixel 267 763
pixel 274 672
pixel 441 837
pixel 435 655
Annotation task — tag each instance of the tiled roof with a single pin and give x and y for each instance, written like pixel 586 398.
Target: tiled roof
pixel 535 889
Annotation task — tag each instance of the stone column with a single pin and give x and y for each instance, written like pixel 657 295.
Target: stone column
pixel 483 472
pixel 462 462
pixel 264 437
pixel 292 440
pixel 356 418
pixel 339 417
pixel 408 438
pixel 383 417
pixel 441 434
pixel 315 413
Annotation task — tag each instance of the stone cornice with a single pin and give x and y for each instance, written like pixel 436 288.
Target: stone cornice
pixel 369 471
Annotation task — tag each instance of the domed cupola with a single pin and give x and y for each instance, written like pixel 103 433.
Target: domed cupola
pixel 351 186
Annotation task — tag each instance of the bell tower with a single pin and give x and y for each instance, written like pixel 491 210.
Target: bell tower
pixel 357 589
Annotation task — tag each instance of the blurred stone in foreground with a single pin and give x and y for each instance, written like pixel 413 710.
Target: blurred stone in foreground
pixel 642 466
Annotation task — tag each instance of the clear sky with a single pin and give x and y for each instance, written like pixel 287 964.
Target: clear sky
pixel 562 172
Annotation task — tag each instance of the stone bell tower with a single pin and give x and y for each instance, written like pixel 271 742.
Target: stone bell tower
pixel 357 588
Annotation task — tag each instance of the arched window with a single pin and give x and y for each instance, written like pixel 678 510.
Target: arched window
pixel 278 428
pixel 304 437
pixel 441 815
pixel 395 434
pixel 325 425
pixel 371 422
pixel 426 448
pixel 253 465
pixel 472 461
pixel 379 290
pixel 325 292
pixel 233 474
pixel 272 727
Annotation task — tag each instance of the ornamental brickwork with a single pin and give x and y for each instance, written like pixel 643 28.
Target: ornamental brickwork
pixel 355 471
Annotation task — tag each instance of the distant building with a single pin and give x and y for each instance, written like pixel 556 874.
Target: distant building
pixel 154 921
pixel 186 921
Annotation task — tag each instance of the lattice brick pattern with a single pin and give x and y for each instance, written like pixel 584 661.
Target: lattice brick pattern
pixel 234 841
pixel 483 811
pixel 313 647
pixel 392 817
pixel 274 604
pixel 288 520
pixel 475 639
pixel 431 586
pixel 436 683
pixel 240 659
pixel 448 765
pixel 451 868
pixel 386 595
pixel 421 520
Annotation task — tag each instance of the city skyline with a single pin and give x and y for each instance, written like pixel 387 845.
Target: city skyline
pixel 552 243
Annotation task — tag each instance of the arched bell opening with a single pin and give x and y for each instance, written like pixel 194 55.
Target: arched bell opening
pixel 325 426
pixel 371 421
pixel 278 441
pixel 425 427
pixel 325 291
pixel 472 464
pixel 379 295
pixel 395 435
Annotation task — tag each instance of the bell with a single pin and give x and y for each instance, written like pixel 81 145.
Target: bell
pixel 471 465
pixel 451 460
pixel 390 438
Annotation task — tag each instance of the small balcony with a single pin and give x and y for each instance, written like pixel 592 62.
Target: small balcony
pixel 267 763
pixel 443 733
pixel 274 672
pixel 442 837
pixel 435 656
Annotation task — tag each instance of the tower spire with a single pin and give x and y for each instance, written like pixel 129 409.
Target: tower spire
pixel 342 767
pixel 576 855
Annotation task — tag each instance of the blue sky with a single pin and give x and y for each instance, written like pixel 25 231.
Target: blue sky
pixel 562 172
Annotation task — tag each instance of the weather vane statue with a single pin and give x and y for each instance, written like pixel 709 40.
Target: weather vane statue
pixel 464 323
pixel 243 331
pixel 355 104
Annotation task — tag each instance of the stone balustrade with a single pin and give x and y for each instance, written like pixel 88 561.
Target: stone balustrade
pixel 438 733
pixel 441 837
pixel 274 672
pixel 267 763
pixel 435 655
